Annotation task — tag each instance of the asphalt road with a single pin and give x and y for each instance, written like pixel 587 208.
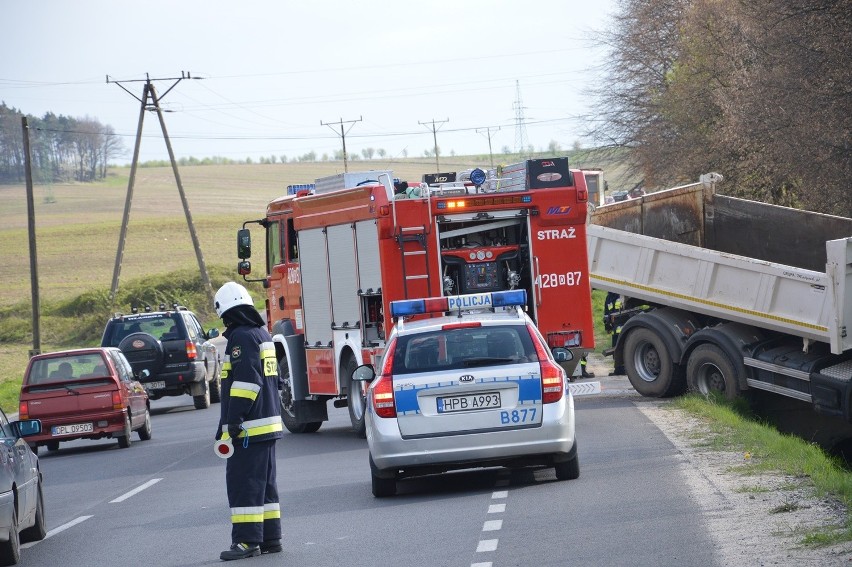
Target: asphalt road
pixel 162 502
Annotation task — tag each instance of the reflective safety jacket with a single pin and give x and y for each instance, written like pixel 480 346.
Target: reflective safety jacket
pixel 250 385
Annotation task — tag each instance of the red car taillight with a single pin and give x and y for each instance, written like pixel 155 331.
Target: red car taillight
pixel 552 375
pixel 382 390
pixel 116 400
pixel 23 410
pixel 191 351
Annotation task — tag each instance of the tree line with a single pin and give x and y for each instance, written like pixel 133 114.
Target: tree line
pixel 758 91
pixel 62 148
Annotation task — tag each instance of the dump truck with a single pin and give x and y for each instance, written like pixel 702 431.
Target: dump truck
pixel 727 295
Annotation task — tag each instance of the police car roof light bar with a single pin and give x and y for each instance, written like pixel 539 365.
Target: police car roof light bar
pixel 490 300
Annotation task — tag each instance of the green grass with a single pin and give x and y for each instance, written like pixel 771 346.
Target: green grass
pixel 731 427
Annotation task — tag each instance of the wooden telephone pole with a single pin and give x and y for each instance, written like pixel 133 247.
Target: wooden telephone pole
pixel 151 102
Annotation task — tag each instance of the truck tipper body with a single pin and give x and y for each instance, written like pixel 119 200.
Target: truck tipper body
pixel 726 294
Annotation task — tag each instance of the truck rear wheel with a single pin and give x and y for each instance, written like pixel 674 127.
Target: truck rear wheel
pixel 710 370
pixel 357 401
pixel 649 365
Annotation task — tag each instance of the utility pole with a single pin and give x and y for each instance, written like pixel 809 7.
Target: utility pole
pixel 343 135
pixel 149 92
pixel 31 229
pixel 435 137
pixel 490 153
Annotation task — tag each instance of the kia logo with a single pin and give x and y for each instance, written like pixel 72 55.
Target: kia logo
pixel 466 378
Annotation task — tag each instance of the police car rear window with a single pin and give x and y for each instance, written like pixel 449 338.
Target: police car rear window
pixel 469 347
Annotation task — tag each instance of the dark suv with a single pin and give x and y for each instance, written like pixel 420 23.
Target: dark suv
pixel 169 352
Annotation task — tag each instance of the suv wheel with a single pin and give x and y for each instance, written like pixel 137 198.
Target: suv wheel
pixel 142 351
pixel 216 385
pixel 202 401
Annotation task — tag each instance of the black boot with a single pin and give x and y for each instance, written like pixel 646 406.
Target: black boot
pixel 240 551
pixel 271 546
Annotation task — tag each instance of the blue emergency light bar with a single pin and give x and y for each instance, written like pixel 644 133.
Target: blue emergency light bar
pixel 458 302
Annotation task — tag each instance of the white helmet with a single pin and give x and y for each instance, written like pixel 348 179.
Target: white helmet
pixel 230 295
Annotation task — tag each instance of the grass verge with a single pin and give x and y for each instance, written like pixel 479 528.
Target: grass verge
pixel 731 427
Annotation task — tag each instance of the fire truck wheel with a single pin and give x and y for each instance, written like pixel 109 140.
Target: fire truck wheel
pixel 288 415
pixel 357 400
pixel 710 371
pixel 649 365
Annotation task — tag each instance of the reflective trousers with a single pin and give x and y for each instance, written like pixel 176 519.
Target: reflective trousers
pixel 253 493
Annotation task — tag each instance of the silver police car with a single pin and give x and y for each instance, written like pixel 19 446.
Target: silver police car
pixel 474 386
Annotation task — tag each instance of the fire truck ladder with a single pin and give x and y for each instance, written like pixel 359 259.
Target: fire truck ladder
pixel 412 245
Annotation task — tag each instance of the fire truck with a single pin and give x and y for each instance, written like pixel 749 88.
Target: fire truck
pixel 339 250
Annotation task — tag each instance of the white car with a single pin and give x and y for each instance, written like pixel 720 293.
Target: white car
pixel 477 387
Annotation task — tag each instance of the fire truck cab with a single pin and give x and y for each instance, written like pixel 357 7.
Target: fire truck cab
pixel 338 251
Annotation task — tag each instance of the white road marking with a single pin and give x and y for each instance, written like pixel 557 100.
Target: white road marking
pixel 55 531
pixel 486 545
pixel 496 508
pixel 500 494
pixel 485 564
pixel 585 388
pixel 492 525
pixel 136 490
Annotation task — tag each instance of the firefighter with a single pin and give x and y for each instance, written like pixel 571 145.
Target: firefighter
pixel 251 419
pixel 585 373
pixel 612 304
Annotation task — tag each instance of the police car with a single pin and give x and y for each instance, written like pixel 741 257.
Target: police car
pixel 467 381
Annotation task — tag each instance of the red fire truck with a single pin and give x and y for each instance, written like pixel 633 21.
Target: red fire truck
pixel 338 251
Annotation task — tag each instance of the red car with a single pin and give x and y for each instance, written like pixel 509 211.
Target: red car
pixel 86 393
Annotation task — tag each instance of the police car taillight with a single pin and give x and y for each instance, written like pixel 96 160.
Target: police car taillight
pixel 458 302
pixel 552 375
pixel 382 389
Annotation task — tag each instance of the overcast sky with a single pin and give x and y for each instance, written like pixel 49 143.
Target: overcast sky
pixel 273 70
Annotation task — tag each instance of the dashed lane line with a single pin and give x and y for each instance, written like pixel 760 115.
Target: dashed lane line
pixel 55 531
pixel 488 545
pixel 136 490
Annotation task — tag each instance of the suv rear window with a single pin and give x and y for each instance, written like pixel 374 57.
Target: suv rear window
pixel 465 347
pixel 65 368
pixel 162 326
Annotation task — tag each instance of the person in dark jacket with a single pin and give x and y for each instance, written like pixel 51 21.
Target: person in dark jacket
pixel 251 419
pixel 613 304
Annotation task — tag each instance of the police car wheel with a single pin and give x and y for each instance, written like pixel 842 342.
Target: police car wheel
pixel 568 470
pixel 383 485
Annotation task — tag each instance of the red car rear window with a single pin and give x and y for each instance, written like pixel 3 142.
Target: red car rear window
pixel 64 368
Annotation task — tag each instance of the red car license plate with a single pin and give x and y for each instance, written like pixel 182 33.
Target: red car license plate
pixel 72 429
